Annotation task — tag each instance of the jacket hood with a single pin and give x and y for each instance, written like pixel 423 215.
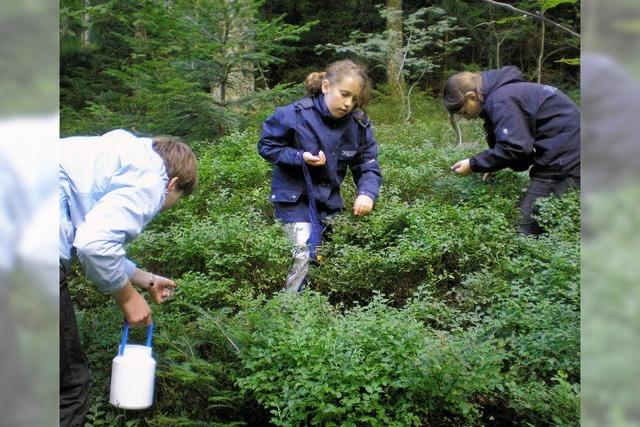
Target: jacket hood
pixel 494 79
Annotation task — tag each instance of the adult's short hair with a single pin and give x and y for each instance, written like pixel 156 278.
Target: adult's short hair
pixel 179 161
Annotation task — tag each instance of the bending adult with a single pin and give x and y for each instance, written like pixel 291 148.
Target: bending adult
pixel 111 186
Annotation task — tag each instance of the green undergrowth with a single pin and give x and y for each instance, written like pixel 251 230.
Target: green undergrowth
pixel 432 310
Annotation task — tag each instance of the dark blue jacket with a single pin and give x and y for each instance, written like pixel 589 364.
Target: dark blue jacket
pixel 307 125
pixel 528 124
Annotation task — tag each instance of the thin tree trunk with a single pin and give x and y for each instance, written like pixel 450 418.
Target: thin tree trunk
pixel 541 56
pixel 223 91
pixel 395 78
pixel 498 44
pixel 445 62
pixel 538 15
pixel 85 38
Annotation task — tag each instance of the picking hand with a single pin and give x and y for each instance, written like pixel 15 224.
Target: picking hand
pixel 486 177
pixel 462 168
pixel 162 288
pixel 312 160
pixel 362 205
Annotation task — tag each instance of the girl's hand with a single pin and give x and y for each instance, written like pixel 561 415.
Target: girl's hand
pixel 312 160
pixel 486 177
pixel 362 205
pixel 462 168
pixel 161 288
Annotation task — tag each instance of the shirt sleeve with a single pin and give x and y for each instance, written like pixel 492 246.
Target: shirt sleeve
pixel 277 141
pixel 365 169
pixel 513 141
pixel 118 217
pixel 129 267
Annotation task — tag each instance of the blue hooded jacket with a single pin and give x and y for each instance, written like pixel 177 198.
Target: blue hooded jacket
pixel 528 124
pixel 307 125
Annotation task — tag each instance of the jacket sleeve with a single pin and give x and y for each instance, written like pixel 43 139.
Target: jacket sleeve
pixel 277 141
pixel 134 199
pixel 513 142
pixel 365 169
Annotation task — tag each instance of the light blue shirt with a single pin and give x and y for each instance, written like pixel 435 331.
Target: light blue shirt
pixel 111 186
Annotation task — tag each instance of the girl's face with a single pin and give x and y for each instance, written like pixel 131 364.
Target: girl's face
pixel 341 97
pixel 471 107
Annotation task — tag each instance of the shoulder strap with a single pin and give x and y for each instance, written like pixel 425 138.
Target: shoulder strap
pixel 361 118
pixel 313 210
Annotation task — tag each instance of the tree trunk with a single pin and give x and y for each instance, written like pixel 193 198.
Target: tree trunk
pixel 498 44
pixel 541 56
pixel 395 79
pixel 445 62
pixel 223 92
pixel 85 37
pixel 239 79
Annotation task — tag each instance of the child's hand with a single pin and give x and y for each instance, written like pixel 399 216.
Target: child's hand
pixel 161 289
pixel 312 160
pixel 486 177
pixel 362 205
pixel 462 168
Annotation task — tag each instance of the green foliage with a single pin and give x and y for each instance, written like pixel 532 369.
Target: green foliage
pixel 313 365
pixel 180 68
pixel 545 5
pixel 430 311
pixel 559 405
pixel 561 215
pixel 427 37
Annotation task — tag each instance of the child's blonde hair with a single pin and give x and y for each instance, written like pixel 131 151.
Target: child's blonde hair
pixel 457 86
pixel 335 72
pixel 179 161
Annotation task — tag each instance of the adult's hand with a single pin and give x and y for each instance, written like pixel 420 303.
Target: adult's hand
pixel 161 289
pixel 362 205
pixel 462 168
pixel 133 305
pixel 312 160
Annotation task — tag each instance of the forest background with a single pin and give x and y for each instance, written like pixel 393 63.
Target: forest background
pixel 430 311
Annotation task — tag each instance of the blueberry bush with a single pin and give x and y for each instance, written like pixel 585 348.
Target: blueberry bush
pixel 431 311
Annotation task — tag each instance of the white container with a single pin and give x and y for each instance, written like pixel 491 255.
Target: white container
pixel 133 373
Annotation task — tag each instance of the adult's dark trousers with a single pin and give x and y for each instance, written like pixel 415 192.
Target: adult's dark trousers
pixel 541 187
pixel 75 376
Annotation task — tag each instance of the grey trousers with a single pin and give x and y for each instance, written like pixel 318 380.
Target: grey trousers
pixel 298 233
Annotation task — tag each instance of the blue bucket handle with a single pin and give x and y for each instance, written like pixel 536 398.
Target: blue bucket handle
pixel 125 336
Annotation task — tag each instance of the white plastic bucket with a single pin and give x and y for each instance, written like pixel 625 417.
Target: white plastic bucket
pixel 133 373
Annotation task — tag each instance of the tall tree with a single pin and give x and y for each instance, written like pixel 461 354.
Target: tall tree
pixel 395 77
pixel 186 67
pixel 428 36
pixel 538 9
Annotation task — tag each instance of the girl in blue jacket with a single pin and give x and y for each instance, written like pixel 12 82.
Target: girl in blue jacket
pixel 311 142
pixel 528 125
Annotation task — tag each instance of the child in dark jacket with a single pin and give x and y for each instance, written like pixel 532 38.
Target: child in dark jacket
pixel 528 125
pixel 311 142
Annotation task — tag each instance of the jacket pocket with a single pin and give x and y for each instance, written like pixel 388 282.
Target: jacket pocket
pixel 285 196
